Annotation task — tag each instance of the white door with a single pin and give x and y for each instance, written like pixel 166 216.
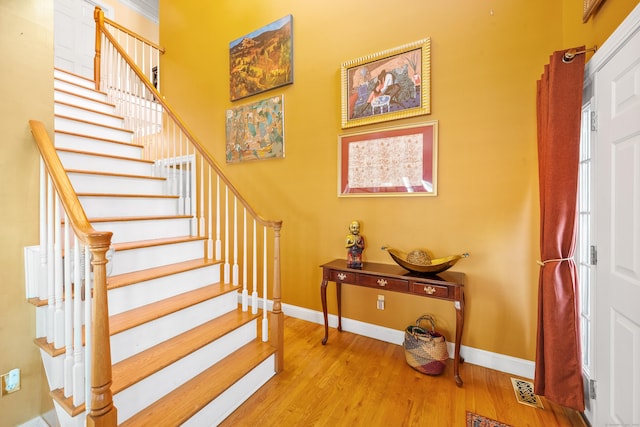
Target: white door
pixel 74 35
pixel 617 236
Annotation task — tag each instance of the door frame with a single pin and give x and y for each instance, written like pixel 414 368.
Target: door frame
pixel 627 29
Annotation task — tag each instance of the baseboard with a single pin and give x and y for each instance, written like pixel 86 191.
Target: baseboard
pixel 500 362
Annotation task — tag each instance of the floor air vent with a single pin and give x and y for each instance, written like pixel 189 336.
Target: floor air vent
pixel 524 393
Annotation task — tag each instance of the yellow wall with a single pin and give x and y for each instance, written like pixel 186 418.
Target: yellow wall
pixel 487 181
pixel 486 58
pixel 26 43
pixel 599 27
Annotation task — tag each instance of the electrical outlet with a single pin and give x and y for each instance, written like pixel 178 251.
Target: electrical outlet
pixel 380 302
pixel 10 382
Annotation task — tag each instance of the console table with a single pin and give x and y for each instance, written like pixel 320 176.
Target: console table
pixel 446 285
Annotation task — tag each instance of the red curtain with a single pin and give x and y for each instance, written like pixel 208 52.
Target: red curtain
pixel 558 373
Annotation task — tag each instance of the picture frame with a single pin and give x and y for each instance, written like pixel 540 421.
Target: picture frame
pixel 395 161
pixel 255 130
pixel 389 85
pixel 261 60
pixel 589 8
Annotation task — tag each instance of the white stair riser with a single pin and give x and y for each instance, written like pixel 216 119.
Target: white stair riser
pixel 100 207
pixel 88 115
pixel 79 90
pixel 98 146
pixel 132 341
pixel 80 161
pixel 131 231
pixel 91 104
pixel 220 408
pixel 54 368
pixel 91 129
pixel 110 184
pixel 155 256
pixel 77 80
pixel 129 297
pixel 65 420
pixel 132 400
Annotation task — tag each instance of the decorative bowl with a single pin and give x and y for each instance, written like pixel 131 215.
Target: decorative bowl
pixel 422 261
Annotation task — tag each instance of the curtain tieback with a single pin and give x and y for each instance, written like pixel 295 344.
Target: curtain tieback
pixel 542 263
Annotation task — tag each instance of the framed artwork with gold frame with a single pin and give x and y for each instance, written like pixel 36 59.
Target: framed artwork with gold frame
pixel 589 8
pixel 388 85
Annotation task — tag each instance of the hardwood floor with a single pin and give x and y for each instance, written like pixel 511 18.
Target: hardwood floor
pixel 359 381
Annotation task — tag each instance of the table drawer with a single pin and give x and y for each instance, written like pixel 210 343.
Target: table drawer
pixel 383 283
pixel 342 277
pixel 428 289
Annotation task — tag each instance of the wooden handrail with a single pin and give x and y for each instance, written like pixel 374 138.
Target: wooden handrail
pixel 133 34
pixel 102 412
pixel 99 14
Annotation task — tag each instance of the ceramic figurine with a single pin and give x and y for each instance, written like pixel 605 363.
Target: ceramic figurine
pixel 355 246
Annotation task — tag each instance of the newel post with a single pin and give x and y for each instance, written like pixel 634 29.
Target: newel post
pixel 102 413
pixel 276 320
pixel 98 16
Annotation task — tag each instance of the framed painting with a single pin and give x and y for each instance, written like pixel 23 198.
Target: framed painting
pixel 589 8
pixel 397 161
pixel 255 131
pixel 262 60
pixel 388 85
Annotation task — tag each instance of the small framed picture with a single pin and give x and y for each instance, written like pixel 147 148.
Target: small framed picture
pixel 255 131
pixel 397 161
pixel 388 85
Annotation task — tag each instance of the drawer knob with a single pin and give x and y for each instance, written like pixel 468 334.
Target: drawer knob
pixel 342 276
pixel 429 290
pixel 382 282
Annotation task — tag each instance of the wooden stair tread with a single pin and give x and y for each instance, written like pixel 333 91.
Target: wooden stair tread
pixel 155 242
pixel 108 156
pixel 146 313
pixel 97 138
pixel 146 363
pixel 49 348
pixel 156 272
pixel 122 175
pixel 121 129
pixel 89 109
pixel 148 196
pixel 137 218
pixel 62 79
pixel 192 396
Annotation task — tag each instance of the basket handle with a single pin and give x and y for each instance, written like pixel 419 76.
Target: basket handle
pixel 428 318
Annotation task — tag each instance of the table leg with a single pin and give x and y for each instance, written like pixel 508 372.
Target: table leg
pixel 459 325
pixel 339 297
pixel 323 297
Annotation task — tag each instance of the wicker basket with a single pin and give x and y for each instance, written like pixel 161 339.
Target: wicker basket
pixel 425 350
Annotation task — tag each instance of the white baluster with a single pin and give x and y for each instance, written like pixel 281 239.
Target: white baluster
pixel 68 311
pixel 51 308
pixel 245 291
pixel 218 241
pixel 227 269
pixel 78 366
pixel 58 331
pixel 265 322
pixel 236 273
pixel 254 261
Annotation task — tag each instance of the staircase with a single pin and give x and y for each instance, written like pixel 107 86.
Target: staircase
pixel 184 349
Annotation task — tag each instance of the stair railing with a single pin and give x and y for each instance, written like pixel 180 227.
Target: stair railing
pixel 69 288
pixel 204 192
